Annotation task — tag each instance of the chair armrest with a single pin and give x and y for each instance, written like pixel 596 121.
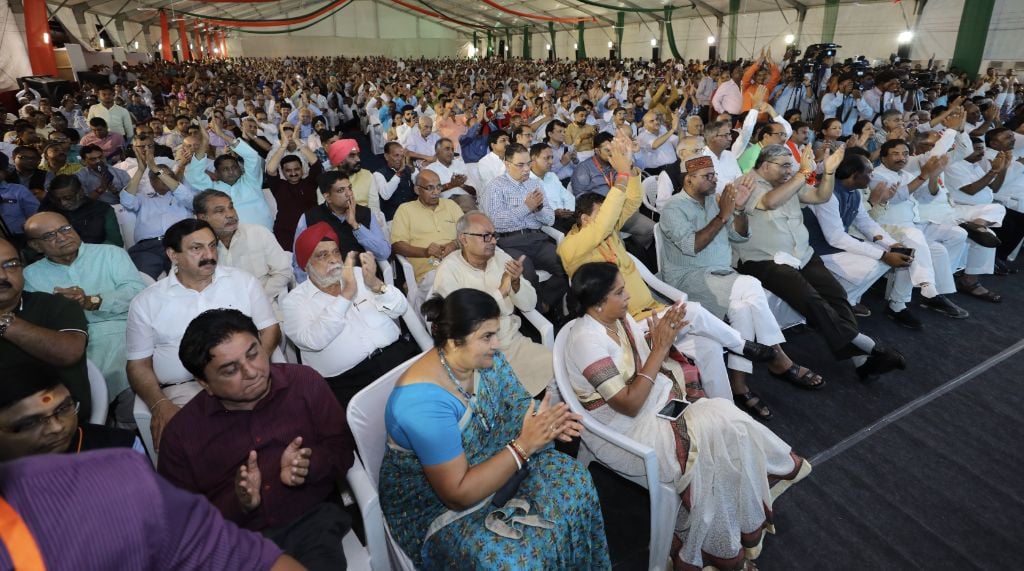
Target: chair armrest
pixel 656 284
pixel 554 234
pixel 541 323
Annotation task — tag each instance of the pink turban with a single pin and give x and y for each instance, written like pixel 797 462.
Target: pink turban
pixel 340 150
pixel 308 240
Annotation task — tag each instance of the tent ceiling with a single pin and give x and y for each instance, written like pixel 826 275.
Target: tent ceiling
pixel 473 11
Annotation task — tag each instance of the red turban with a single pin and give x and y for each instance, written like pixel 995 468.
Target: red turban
pixel 308 240
pixel 340 150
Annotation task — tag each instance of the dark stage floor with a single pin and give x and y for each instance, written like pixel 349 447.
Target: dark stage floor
pixel 913 472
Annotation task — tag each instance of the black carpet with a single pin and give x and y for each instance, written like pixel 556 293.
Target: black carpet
pixel 941 487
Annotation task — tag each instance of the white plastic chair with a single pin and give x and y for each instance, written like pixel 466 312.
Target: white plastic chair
pixel 669 292
pixel 366 420
pixel 271 202
pixel 664 499
pixel 542 325
pixel 98 393
pixel 650 194
pixel 142 419
pixel 554 234
pixel 126 222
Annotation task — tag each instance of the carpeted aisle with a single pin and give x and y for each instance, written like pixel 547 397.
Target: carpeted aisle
pixel 940 488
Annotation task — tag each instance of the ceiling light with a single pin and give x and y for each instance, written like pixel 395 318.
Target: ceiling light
pixel 711 40
pixel 790 38
pixel 905 37
pixel 654 43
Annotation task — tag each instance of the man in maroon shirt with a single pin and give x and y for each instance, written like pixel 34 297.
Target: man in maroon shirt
pixel 295 194
pixel 264 443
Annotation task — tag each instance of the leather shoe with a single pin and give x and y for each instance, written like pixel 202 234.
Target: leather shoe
pixel 861 310
pixel 904 319
pixel 980 235
pixel 943 305
pixel 881 361
pixel 757 352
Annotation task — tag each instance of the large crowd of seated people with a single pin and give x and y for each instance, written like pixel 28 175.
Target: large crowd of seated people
pixel 240 246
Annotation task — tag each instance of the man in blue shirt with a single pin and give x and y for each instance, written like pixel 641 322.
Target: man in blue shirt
pixel 17 203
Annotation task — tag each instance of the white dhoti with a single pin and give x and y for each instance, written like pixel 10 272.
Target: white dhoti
pixel 948 246
pixel 923 270
pixel 857 273
pixel 703 340
pixel 979 260
pixel 750 315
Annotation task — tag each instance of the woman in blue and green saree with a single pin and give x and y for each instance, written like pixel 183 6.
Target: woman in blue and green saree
pixel 461 431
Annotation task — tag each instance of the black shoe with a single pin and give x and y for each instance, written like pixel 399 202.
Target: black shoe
pixel 1003 268
pixel 881 361
pixel 943 305
pixel 757 352
pixel 981 235
pixel 861 310
pixel 904 319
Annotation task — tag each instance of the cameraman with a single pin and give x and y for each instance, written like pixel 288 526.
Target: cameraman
pixel 844 102
pixel 885 95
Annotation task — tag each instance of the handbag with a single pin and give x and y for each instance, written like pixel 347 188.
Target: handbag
pixel 508 490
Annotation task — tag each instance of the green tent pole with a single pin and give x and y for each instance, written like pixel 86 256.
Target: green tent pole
pixel 581 48
pixel 620 24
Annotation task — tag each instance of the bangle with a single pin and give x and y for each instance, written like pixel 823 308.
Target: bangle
pixel 519 450
pixel 157 403
pixel 639 374
pixel 830 173
pixel 805 172
pixel 921 178
pixel 515 456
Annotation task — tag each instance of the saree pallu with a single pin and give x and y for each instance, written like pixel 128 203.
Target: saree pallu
pixel 558 489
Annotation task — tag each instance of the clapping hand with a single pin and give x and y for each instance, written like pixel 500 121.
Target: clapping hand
pixel 534 200
pixel 295 463
pixel 882 192
pixel 546 423
pixel 664 330
pixel 834 158
pixel 510 279
pixel 247 483
pixel 348 277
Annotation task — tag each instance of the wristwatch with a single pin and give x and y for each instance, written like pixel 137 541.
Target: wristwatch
pixel 95 301
pixel 383 290
pixel 5 321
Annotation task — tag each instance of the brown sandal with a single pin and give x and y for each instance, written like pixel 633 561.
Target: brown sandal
pixel 977 290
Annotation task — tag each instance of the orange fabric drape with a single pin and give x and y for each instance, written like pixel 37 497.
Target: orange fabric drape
pixel 197 53
pixel 165 37
pixel 37 38
pixel 186 53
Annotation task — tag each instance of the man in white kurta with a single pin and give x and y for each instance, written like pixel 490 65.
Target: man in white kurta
pixel 481 265
pixel 936 247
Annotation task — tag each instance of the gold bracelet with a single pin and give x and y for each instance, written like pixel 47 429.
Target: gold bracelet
pixel 519 450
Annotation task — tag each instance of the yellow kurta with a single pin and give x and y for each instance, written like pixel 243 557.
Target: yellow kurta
pixel 421 226
pixel 599 241
pixel 364 189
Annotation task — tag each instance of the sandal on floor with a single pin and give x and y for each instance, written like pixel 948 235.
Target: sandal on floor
pixel 977 290
pixel 753 404
pixel 805 381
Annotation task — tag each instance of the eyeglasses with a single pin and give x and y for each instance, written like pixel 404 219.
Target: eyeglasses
pixel 9 265
pixel 770 133
pixel 51 236
pixel 708 176
pixel 486 237
pixel 65 411
pixel 522 165
pixel 431 188
pixel 787 166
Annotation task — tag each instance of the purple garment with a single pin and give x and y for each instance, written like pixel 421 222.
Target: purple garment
pixel 108 510
pixel 204 445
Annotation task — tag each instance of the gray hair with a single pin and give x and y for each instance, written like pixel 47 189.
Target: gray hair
pixel 463 224
pixel 437 145
pixel 771 152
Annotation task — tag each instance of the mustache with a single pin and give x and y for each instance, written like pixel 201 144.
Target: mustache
pixel 4 284
pixel 207 262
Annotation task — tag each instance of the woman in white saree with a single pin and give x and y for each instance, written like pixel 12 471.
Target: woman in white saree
pixel 721 461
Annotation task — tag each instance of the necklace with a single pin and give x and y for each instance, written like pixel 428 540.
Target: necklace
pixel 470 399
pixel 611 330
